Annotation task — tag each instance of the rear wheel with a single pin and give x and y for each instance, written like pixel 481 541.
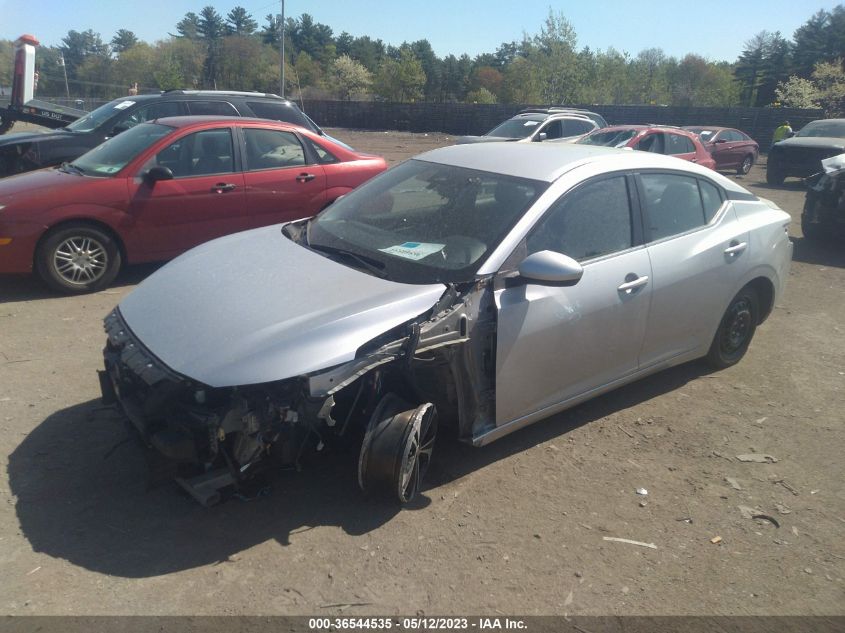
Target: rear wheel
pixel 745 165
pixel 736 329
pixel 77 258
pixel 397 448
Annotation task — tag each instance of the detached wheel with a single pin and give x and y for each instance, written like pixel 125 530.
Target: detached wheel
pixel 397 448
pixel 77 258
pixel 736 329
pixel 745 165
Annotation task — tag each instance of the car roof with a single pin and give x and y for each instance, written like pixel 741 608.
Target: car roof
pixel 548 161
pixel 211 94
pixel 715 128
pixel 197 119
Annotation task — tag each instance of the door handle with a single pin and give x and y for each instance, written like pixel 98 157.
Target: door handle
pixel 222 187
pixel 735 248
pixel 305 177
pixel 633 283
pixel 693 160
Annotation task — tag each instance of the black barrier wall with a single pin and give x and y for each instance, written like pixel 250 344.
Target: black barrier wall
pixel 468 118
pixel 475 118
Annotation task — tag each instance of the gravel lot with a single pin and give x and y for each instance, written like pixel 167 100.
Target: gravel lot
pixel 516 527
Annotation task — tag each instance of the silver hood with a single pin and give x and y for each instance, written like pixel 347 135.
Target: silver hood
pixel 255 307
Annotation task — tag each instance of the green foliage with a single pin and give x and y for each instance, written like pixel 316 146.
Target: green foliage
pixel 123 40
pixel 239 22
pixel 401 80
pixel 232 52
pixel 797 92
pixel 481 95
pixel 349 78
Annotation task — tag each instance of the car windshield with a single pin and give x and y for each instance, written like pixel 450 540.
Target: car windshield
pixel 834 129
pixel 95 118
pixel 424 222
pixel 516 128
pixel 612 138
pixel 113 155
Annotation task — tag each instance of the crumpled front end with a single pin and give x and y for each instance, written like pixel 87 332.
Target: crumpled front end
pixel 213 439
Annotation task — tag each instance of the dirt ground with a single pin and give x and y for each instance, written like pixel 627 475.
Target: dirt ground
pixel 517 527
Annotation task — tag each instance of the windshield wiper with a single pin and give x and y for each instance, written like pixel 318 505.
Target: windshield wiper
pixel 70 167
pixel 372 265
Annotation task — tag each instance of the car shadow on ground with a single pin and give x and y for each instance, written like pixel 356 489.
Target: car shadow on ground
pixel 29 288
pixel 80 494
pixel 820 252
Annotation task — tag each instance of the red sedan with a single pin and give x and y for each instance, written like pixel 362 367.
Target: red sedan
pixel 730 148
pixel 659 139
pixel 163 187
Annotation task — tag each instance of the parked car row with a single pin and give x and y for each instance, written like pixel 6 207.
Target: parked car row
pixel 719 148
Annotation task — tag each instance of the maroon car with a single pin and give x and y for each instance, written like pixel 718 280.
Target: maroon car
pixel 659 139
pixel 163 187
pixel 730 148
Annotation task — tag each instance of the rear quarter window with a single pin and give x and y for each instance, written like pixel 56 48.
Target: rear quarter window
pixel 277 112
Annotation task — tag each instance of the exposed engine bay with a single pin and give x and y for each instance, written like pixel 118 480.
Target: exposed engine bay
pixel 435 369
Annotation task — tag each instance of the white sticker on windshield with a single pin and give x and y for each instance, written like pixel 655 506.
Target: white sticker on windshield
pixel 413 250
pixel 531 123
pixel 123 105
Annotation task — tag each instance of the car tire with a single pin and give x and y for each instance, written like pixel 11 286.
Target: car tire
pixel 736 329
pixel 813 231
pixel 396 450
pixel 774 175
pixel 745 165
pixel 77 258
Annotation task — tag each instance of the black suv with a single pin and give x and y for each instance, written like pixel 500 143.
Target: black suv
pixel 28 151
pixel 802 154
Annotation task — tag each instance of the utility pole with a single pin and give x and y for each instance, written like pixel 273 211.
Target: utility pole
pixel 64 68
pixel 282 85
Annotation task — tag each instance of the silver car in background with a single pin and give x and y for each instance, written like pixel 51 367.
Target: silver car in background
pixel 480 286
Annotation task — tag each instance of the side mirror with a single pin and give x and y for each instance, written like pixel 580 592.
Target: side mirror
pixel 551 269
pixel 157 173
pixel 720 140
pixel 542 136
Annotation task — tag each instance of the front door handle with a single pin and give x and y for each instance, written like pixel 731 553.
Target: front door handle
pixel 223 187
pixel 632 283
pixel 735 248
pixel 305 177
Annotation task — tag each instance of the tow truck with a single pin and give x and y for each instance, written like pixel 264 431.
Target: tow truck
pixel 23 105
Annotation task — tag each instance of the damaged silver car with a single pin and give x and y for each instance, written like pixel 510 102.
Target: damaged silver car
pixel 480 286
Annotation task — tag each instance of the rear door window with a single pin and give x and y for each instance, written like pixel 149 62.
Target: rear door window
pixel 677 144
pixel 574 127
pixel 651 143
pixel 673 204
pixel 272 149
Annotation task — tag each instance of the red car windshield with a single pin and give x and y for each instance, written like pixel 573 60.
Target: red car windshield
pixel 113 155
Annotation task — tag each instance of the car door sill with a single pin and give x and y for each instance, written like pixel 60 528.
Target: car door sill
pixel 501 430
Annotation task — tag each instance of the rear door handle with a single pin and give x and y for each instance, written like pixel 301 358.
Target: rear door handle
pixel 632 283
pixel 223 187
pixel 305 177
pixel 735 248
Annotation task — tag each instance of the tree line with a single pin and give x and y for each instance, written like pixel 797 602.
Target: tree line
pixel 211 50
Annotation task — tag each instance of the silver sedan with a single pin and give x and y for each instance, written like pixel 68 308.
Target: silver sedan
pixel 480 286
